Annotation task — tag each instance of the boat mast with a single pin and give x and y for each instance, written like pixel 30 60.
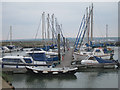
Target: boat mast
pixel 63 38
pixel 87 24
pixel 106 32
pixel 58 41
pixel 89 28
pixel 92 23
pixel 52 28
pixel 43 26
pixel 10 35
pixel 56 25
pixel 48 27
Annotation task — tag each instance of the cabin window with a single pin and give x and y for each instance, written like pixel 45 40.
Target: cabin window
pixel 36 49
pixel 53 59
pixel 84 53
pixel 105 50
pixel 11 60
pixel 97 50
pixel 91 58
pixel 38 56
pixel 27 60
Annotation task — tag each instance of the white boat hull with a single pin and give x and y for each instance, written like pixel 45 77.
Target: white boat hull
pixel 52 71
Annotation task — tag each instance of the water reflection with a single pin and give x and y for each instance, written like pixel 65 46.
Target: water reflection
pixel 38 81
pixel 89 78
pixel 98 78
pixel 98 70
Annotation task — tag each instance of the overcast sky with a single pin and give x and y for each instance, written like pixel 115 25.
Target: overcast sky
pixel 24 18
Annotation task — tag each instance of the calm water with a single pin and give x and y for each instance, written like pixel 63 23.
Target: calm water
pixel 90 78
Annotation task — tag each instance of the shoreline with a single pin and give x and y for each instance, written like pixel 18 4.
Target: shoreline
pixel 30 44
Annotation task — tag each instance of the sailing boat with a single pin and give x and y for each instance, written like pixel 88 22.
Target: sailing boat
pixel 48 57
pixel 90 49
pixel 12 47
pixel 40 54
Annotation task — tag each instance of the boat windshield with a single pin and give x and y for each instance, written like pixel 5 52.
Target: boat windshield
pixel 91 58
pixel 27 60
pixel 97 50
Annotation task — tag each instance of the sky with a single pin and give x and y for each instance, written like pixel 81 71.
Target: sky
pixel 24 18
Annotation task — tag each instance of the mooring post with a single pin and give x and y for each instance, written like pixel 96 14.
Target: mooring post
pixel 16 66
pixel 67 44
pixel 64 43
pixel 2 65
pixel 59 57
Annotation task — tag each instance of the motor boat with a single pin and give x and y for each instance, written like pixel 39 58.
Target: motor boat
pixel 105 53
pixel 16 60
pixel 95 61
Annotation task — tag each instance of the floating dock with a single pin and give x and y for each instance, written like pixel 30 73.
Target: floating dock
pixel 66 59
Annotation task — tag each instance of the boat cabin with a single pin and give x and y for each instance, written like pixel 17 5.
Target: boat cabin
pixel 95 60
pixel 43 55
pixel 16 59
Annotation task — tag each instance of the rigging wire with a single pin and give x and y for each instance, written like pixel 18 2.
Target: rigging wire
pixel 100 23
pixel 99 32
pixel 84 31
pixel 38 29
pixel 81 33
pixel 79 30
